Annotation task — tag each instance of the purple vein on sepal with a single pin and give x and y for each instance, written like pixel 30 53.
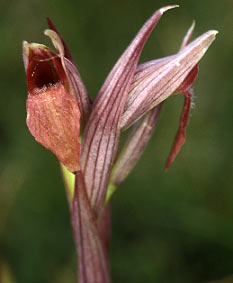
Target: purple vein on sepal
pixel 101 135
pixel 164 79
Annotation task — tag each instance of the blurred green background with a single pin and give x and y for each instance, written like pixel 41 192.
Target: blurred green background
pixel 167 227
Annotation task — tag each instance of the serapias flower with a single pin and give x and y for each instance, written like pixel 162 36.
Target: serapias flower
pixel 52 112
pixel 58 109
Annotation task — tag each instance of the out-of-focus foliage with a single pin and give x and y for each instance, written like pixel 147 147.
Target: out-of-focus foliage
pixel 167 227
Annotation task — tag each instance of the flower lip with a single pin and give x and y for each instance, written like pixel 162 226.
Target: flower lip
pixel 43 68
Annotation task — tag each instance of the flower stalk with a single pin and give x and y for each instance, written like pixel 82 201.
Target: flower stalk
pixel 59 112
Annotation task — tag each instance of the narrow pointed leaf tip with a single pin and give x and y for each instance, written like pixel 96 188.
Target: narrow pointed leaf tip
pixel 159 79
pixel 188 36
pixel 101 135
pixel 52 113
pixel 166 8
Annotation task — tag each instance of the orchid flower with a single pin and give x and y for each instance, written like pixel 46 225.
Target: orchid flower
pixel 60 112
